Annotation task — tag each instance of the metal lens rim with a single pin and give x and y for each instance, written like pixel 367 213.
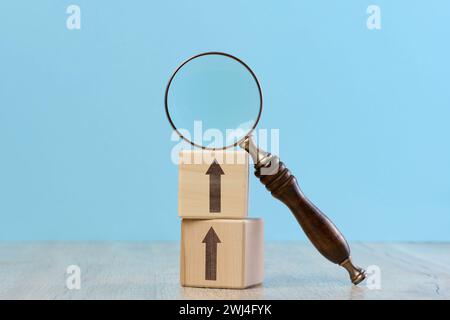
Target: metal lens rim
pixel 221 54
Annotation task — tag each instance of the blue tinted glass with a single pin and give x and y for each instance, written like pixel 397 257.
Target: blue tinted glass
pixel 214 100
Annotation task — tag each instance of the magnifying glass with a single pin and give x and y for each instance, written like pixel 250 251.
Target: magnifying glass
pixel 218 93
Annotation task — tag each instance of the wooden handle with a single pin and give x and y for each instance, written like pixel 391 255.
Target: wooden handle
pixel 324 235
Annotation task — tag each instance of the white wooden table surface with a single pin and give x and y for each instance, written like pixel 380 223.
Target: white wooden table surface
pixel 150 271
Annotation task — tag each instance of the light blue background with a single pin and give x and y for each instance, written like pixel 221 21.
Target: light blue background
pixel 364 115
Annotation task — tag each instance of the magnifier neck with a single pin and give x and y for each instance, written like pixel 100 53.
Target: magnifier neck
pixel 260 157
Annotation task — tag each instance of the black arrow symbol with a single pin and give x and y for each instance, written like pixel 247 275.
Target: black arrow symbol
pixel 211 240
pixel 214 172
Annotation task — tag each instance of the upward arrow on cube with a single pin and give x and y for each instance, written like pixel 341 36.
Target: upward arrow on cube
pixel 211 240
pixel 214 171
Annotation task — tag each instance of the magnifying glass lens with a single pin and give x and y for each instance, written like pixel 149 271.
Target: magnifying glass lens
pixel 213 101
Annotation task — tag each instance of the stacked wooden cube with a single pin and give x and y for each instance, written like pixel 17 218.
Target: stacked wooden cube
pixel 220 246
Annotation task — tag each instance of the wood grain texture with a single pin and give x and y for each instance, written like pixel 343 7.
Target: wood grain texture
pixel 194 184
pixel 151 271
pixel 320 230
pixel 237 248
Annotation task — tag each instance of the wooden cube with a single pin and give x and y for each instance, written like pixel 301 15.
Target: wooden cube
pixel 222 253
pixel 213 184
